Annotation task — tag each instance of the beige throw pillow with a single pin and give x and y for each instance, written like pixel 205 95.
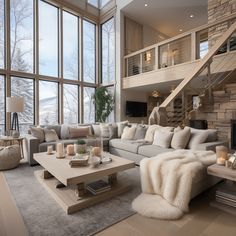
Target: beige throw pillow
pixel 105 133
pixel 197 137
pixel 162 138
pixel 180 138
pixel 38 133
pixel 128 132
pixel 79 132
pixel 50 135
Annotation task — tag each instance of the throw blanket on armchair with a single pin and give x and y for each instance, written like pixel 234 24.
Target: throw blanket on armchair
pixel 167 181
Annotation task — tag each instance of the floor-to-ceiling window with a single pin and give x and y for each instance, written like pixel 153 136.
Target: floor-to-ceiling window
pixel 2 104
pixel 48 39
pixel 2 34
pixel 48 102
pixel 108 58
pixel 89 52
pixel 70 46
pixel 22 87
pixel 89 108
pixel 71 103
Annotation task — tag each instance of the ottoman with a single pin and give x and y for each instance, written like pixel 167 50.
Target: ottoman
pixel 9 157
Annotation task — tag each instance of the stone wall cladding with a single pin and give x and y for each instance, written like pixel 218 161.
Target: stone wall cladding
pixel 221 112
pixel 218 9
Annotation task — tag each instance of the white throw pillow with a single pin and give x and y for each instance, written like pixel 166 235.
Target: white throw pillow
pixel 162 138
pixel 105 133
pixel 128 132
pixel 38 133
pixel 50 135
pixel 180 138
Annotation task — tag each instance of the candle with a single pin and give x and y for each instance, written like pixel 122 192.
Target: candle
pixel 222 152
pixel 49 149
pixel 96 151
pixel 60 150
pixel 70 149
pixel 220 161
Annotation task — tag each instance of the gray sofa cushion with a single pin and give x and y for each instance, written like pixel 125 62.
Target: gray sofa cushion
pixel 140 132
pixel 127 145
pixel 57 128
pixel 152 150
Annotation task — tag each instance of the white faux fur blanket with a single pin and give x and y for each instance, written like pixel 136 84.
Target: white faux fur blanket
pixel 167 182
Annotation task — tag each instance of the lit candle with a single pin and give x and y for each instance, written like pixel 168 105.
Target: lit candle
pixel 70 149
pixel 220 161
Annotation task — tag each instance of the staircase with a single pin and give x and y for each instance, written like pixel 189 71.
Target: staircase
pixel 208 83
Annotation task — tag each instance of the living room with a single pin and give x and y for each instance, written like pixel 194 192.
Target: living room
pixel 117 117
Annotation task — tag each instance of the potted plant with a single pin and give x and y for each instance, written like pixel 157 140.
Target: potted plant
pixel 104 104
pixel 80 146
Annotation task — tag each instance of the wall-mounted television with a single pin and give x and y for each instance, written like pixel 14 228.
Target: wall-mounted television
pixel 136 109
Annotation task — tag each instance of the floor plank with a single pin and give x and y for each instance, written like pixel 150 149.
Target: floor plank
pixel 11 222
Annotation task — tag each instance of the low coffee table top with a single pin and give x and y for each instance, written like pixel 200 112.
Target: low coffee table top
pixel 62 171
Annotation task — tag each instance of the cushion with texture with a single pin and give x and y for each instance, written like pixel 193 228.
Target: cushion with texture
pixel 38 133
pixel 128 132
pixel 57 128
pixel 197 137
pixel 113 131
pixel 140 132
pixel 96 129
pixel 162 138
pixel 180 138
pixel 79 132
pixel 105 133
pixel 121 125
pixel 50 135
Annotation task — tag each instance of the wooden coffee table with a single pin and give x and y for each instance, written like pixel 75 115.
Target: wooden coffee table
pixel 73 197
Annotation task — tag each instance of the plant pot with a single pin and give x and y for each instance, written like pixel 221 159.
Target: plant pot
pixel 80 148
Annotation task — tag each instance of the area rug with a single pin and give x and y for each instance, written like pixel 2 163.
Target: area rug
pixel 43 216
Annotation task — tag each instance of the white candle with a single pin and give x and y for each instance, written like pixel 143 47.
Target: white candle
pixel 70 149
pixel 60 150
pixel 50 149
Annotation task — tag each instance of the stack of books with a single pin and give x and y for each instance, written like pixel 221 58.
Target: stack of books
pixel 98 187
pixel 79 161
pixel 226 196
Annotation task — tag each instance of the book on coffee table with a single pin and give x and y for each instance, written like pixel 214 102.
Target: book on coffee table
pixel 98 187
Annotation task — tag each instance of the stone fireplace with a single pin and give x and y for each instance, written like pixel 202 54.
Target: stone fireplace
pixel 233 134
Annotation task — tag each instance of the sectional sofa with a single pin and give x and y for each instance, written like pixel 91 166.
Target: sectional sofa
pixel 119 140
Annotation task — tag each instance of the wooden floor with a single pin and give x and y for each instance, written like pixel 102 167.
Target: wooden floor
pixel 11 223
pixel 202 220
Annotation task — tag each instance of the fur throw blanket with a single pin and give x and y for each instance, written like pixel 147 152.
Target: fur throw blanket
pixel 167 181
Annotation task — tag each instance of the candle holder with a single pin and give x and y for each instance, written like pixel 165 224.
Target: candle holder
pixel 221 155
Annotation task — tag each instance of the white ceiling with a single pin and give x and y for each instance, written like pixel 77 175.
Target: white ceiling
pixel 168 16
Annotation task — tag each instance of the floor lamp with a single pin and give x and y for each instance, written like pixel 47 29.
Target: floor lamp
pixel 15 104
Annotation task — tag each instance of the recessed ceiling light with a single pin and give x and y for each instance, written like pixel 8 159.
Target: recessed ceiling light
pixel 145 5
pixel 180 30
pixel 191 16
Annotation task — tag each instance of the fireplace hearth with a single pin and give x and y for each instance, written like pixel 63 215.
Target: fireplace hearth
pixel 233 134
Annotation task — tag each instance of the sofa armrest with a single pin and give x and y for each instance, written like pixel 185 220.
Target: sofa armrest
pixel 212 145
pixel 32 146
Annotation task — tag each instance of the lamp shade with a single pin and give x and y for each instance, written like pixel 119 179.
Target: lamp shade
pixel 15 104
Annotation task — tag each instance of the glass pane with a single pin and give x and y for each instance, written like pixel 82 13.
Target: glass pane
pixel 70 46
pixel 103 3
pixel 21 87
pixel 89 51
pixel 48 39
pixel 89 108
pixel 108 52
pixel 21 13
pixel 48 102
pixel 71 104
pixel 93 2
pixel 2 105
pixel 2 33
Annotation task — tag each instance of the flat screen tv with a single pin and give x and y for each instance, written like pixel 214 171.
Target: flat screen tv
pixel 136 109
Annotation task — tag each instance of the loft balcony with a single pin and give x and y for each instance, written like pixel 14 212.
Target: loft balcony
pixel 172 59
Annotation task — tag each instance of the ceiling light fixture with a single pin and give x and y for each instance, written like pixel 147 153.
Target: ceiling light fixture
pixel 155 94
pixel 191 16
pixel 145 5
pixel 180 30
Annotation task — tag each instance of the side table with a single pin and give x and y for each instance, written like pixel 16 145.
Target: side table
pixel 226 192
pixel 9 141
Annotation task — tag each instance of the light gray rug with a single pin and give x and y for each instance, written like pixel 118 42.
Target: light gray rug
pixel 43 216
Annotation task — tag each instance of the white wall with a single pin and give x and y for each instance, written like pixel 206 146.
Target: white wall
pixel 152 36
pixel 136 96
